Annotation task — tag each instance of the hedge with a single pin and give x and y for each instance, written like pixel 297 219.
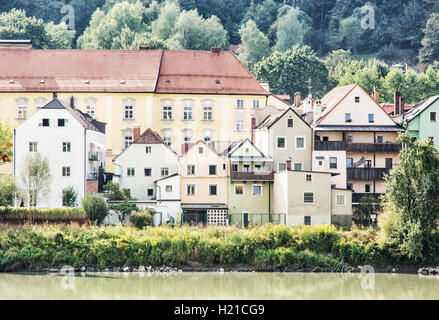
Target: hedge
pixel 42 215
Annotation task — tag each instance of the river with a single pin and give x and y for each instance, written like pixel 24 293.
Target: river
pixel 215 285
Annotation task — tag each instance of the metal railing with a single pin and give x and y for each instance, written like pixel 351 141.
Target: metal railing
pixel 356 147
pixel 244 220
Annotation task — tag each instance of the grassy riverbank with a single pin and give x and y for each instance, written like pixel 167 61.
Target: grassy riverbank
pixel 263 248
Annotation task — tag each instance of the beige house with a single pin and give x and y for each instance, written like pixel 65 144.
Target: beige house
pixel 285 136
pixel 355 138
pixel 203 185
pixel 307 198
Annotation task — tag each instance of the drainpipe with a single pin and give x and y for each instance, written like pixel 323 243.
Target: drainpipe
pixel 85 162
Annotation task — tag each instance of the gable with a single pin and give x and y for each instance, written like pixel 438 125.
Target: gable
pixel 298 121
pixel 359 111
pixel 246 149
pixel 193 155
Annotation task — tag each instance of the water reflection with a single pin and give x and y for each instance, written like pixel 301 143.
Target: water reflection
pixel 227 285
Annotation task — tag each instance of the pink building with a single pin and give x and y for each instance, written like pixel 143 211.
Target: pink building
pixel 355 137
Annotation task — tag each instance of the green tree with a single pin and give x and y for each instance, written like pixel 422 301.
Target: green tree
pixel 115 192
pixel 8 190
pixel 254 44
pixel 96 207
pixel 264 15
pixel 60 36
pixel 411 199
pixel 288 72
pixel 163 27
pixel 193 32
pixel 430 43
pixel 69 197
pixel 292 28
pixel 124 209
pixel 5 143
pixel 35 178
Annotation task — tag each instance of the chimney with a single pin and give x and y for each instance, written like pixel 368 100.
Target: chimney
pixel 55 95
pixel 216 49
pixel 144 47
pixel 265 85
pixel 72 102
pixel 376 96
pixel 136 131
pixel 396 101
pixel 288 165
pixel 297 98
pixel 402 105
pixel 253 129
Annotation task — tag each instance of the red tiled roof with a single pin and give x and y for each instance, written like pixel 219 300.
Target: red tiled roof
pixel 191 71
pixel 390 107
pixel 149 137
pixel 68 70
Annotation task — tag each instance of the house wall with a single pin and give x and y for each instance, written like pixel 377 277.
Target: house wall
pixel 201 179
pixel 340 179
pixel 49 144
pixel 248 202
pixel 148 114
pixel 136 157
pixel 341 214
pixel 422 128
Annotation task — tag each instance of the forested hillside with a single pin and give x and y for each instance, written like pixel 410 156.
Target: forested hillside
pixel 273 36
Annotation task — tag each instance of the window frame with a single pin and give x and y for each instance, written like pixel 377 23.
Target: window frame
pixel 216 189
pixel 295 143
pixel 192 186
pixel 336 164
pixel 243 190
pixel 277 142
pixel 344 200
pixel 66 171
pixel 131 171
pixel 66 146
pixel 253 190
pixel 309 193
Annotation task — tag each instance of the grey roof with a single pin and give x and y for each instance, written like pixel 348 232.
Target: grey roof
pixel 419 108
pixel 270 120
pixel 167 177
pixel 358 128
pixel 236 145
pixel 83 118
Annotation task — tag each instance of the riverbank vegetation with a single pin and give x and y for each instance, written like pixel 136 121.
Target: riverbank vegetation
pixel 263 248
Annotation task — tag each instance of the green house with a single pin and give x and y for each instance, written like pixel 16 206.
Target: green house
pixel 422 122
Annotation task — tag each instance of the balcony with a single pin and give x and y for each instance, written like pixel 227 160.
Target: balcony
pixel 356 197
pixel 366 173
pixel 92 176
pixel 251 176
pixel 93 156
pixel 356 147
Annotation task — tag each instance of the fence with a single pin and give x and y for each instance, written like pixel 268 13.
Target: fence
pixel 242 220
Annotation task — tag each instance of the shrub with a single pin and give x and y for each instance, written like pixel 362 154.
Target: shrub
pixel 42 215
pixel 8 190
pixel 141 219
pixel 69 197
pixel 96 207
pixel 124 208
pixel 115 192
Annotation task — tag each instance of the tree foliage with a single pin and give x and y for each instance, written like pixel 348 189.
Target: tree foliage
pixel 8 190
pixel 96 207
pixel 254 44
pixel 293 27
pixel 411 199
pixel 430 43
pixel 5 143
pixel 69 197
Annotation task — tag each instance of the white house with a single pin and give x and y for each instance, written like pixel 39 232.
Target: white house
pixel 144 161
pixel 168 197
pixel 73 143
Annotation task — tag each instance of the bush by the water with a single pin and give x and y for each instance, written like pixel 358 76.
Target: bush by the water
pixel 42 215
pixel 96 207
pixel 263 248
pixel 141 219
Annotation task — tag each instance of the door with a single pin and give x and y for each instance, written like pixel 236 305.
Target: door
pixel 245 219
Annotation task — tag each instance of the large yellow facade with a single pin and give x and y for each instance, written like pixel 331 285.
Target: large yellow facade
pixel 147 113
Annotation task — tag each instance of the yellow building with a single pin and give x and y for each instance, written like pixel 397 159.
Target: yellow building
pixel 185 95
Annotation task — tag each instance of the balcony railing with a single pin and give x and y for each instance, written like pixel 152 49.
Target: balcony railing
pixel 356 147
pixel 92 176
pixel 252 176
pixel 366 173
pixel 93 156
pixel 356 197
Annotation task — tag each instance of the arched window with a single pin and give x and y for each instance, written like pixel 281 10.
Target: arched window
pixel 21 108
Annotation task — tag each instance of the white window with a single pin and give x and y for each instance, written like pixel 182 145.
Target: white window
pixel 239 125
pixel 257 190
pixel 150 192
pixel 282 166
pixel 66 171
pixel 130 172
pixel 256 103
pixel 190 169
pixel 168 188
pixel 340 200
pixel 213 189
pixel 300 142
pixel 167 111
pixel 207 110
pixel 332 162
pixel 66 147
pixel 281 142
pixel 148 149
pixel 240 103
pixel 187 110
pixel 308 178
pixel 164 172
pixel 290 123
pixel 127 141
pixel 308 197
pixel 128 112
pixel 207 139
pixel 168 141
pixel 200 150
pixel 190 189
pixel 33 146
pixel 239 190
pixel 148 172
pixel 62 122
pixel 298 166
pixel 22 108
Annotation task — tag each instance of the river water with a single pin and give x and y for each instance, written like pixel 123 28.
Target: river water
pixel 215 285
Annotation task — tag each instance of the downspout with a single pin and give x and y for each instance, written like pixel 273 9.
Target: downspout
pixel 13 156
pixel 85 162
